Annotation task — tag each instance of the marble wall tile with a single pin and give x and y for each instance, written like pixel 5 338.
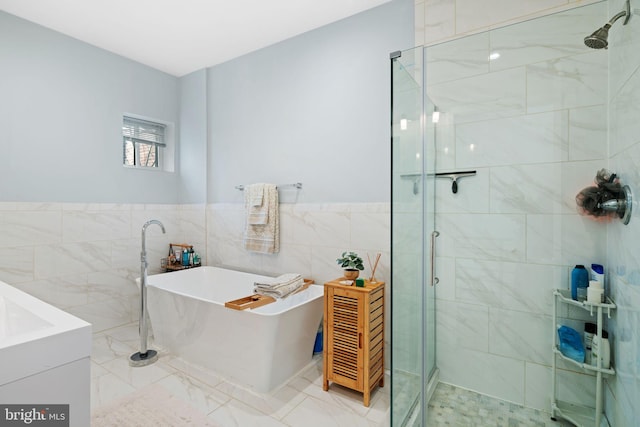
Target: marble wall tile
pixel 624 42
pixel 575 81
pixel 117 283
pixel 322 228
pixel 537 386
pixel 623 112
pixel 445 142
pixel 565 240
pixel 439 20
pixel 527 188
pixel 507 285
pixel 62 292
pixel 446 273
pixel 370 230
pixel 556 36
pixel 87 226
pixel 482 97
pixel 536 138
pixel 458 59
pixel 418 17
pixel 71 258
pixel 27 228
pixel 576 387
pixel 501 237
pixel 501 377
pixel 462 325
pixel 474 14
pixel 105 314
pixel 16 264
pixel 407 233
pixel 588 133
pixel 519 335
pixel 291 258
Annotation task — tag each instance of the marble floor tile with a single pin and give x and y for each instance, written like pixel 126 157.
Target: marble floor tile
pixel 299 403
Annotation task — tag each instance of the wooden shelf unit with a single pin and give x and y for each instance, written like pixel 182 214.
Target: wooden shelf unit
pixel 354 336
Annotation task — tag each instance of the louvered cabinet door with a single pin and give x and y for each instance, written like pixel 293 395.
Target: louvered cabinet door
pixel 344 325
pixel 354 337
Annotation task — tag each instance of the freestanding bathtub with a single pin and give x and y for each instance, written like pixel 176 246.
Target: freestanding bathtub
pixel 259 348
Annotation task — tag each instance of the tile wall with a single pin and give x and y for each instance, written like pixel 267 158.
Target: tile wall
pixel 440 20
pixel 532 123
pixel 623 393
pixel 84 258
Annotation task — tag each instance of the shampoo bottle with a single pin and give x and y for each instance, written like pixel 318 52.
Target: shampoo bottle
pixel 579 279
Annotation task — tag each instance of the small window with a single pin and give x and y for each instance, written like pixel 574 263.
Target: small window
pixel 142 143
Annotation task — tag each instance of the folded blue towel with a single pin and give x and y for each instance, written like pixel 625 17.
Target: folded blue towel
pixel 571 343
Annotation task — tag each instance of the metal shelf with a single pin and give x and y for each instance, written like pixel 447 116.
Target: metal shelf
pixel 584 366
pixel 580 415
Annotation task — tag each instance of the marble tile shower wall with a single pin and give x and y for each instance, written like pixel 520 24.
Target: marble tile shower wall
pixel 623 392
pixel 532 123
pixel 441 20
pixel 84 258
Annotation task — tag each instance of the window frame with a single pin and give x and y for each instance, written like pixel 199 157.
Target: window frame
pixel 162 149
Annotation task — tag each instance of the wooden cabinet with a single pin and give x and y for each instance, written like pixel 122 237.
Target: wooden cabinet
pixel 354 336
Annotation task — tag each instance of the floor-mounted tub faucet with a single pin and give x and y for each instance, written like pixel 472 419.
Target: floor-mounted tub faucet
pixel 144 357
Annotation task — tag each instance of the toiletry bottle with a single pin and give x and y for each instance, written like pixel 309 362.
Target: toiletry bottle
pixel 579 279
pixel 602 350
pixel 589 332
pixel 185 257
pixel 597 273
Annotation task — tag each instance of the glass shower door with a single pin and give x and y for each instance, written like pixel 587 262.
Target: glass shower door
pixel 412 225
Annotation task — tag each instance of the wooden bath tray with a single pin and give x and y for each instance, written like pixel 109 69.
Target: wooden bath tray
pixel 255 301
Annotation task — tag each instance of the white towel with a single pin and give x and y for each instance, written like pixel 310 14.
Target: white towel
pixel 284 279
pixel 257 210
pixel 263 237
pixel 257 194
pixel 279 287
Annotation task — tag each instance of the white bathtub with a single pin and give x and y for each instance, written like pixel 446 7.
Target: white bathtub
pixel 259 349
pixel 44 355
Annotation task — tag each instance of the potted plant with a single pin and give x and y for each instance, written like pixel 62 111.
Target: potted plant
pixel 352 265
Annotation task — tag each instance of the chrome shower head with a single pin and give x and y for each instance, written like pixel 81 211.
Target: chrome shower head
pixel 598 40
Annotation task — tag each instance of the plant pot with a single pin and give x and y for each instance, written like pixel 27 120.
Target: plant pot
pixel 351 274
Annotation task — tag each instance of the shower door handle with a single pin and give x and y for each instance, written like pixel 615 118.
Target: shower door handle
pixel 434 279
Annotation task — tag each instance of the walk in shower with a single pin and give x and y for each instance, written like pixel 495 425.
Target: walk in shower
pixel 413 237
pixel 521 110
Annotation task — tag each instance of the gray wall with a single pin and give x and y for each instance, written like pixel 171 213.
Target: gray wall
pixel 193 137
pixel 314 109
pixel 61 106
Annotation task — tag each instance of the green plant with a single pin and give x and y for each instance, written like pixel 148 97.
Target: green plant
pixel 350 261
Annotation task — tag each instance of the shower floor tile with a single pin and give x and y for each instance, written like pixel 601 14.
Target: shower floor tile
pixel 456 407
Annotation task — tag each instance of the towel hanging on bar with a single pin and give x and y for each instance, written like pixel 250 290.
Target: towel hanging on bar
pixel 262 227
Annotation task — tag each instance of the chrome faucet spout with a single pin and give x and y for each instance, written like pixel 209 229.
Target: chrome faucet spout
pixel 144 233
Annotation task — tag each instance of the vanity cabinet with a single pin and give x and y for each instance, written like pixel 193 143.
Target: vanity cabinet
pixel 354 336
pixel 579 415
